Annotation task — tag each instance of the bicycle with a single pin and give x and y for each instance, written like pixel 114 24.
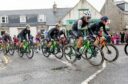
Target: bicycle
pixel 54 49
pixel 125 49
pixel 8 47
pixel 107 49
pixel 88 52
pixel 26 49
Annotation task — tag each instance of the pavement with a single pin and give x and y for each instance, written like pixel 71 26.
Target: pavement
pixel 42 70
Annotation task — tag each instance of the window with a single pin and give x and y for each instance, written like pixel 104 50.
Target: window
pixel 4 19
pixel 41 18
pixel 31 18
pixel 22 19
pixel 14 19
pixel 126 7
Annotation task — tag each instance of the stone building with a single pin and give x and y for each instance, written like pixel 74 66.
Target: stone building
pixel 117 11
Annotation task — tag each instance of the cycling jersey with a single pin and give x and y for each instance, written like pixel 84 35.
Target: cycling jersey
pixel 95 28
pixel 38 38
pixel 78 25
pixel 6 38
pixel 53 33
pixel 24 34
pixel 16 40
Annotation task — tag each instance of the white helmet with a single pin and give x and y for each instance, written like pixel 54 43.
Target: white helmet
pixel 28 26
pixel 87 14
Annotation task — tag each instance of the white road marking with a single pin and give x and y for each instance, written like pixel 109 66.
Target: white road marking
pixel 95 74
pixel 5 60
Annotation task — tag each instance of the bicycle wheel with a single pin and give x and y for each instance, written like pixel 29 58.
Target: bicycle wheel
pixel 69 53
pixel 11 50
pixel 29 53
pixel 58 52
pixel 111 53
pixel 126 49
pixel 94 55
pixel 20 52
pixel 45 51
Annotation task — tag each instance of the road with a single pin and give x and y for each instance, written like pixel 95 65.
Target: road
pixel 42 70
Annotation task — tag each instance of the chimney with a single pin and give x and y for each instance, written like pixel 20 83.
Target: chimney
pixel 54 8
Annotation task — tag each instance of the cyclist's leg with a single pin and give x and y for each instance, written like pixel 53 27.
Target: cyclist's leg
pixel 49 43
pixel 21 38
pixel 79 42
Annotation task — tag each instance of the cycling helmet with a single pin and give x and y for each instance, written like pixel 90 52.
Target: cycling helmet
pixel 104 18
pixel 28 26
pixel 87 14
pixel 57 25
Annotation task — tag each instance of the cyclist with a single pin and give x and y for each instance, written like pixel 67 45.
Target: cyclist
pixel 24 35
pixel 38 37
pixel 95 29
pixel 53 34
pixel 15 40
pixel 6 39
pixel 62 37
pixel 79 24
pixel 38 40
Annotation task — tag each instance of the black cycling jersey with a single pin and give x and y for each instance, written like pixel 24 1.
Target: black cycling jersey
pixel 6 37
pixel 53 33
pixel 95 28
pixel 75 25
pixel 61 33
pixel 23 34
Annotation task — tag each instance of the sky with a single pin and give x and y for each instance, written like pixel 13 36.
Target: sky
pixel 40 4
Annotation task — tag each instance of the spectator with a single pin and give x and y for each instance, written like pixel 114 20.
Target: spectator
pixel 122 34
pixel 126 37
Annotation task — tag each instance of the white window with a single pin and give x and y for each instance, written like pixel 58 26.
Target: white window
pixel 4 19
pixel 22 18
pixel 41 18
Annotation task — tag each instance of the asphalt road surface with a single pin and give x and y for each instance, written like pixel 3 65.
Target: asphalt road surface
pixel 42 70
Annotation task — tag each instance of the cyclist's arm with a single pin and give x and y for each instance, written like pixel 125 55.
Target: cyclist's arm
pixel 29 35
pixel 90 31
pixel 105 31
pixel 79 26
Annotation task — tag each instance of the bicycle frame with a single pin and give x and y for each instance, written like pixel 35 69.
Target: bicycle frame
pixel 53 45
pixel 101 41
pixel 25 46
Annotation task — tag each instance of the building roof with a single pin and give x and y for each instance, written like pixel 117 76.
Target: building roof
pixel 51 17
pixel 121 2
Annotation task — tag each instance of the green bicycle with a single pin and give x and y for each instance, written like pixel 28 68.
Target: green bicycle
pixel 54 49
pixel 26 49
pixel 90 52
pixel 8 48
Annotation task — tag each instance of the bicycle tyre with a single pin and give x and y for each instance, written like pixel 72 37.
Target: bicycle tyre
pixel 89 59
pixel 69 55
pixel 125 49
pixel 45 51
pixel 116 52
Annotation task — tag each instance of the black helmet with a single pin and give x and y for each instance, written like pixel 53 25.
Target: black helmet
pixel 104 18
